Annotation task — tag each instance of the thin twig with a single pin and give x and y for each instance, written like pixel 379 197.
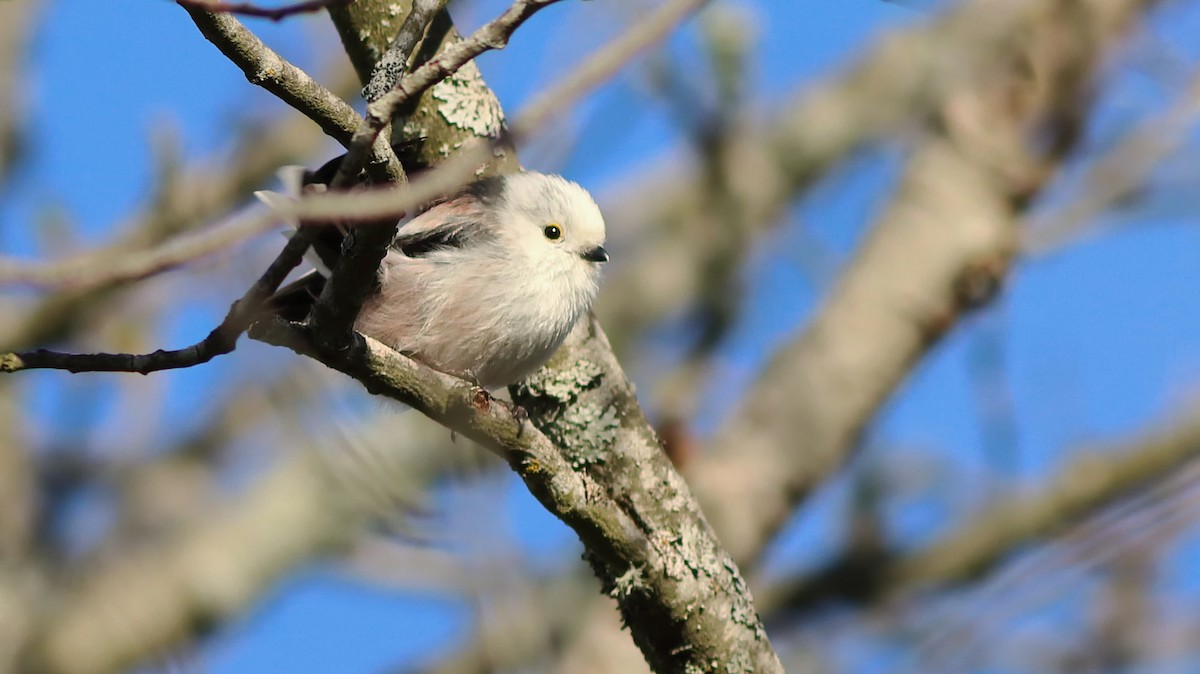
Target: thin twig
pixel 272 13
pixel 1118 175
pixel 394 62
pixel 222 340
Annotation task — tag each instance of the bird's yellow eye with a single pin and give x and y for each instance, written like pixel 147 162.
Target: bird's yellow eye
pixel 552 232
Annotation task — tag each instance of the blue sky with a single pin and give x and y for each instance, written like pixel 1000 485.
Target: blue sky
pixel 1096 341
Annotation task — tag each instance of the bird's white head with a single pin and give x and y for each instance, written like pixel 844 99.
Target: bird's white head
pixel 556 220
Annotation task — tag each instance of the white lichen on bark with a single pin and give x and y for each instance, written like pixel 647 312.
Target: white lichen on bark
pixel 468 103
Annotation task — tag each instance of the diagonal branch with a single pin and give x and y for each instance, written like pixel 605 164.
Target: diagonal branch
pixel 394 62
pixel 687 605
pixel 266 68
pixel 956 210
pixel 1083 487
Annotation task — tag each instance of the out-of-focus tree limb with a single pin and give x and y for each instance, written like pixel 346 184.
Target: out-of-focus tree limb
pixel 176 588
pixel 16 31
pixel 1083 486
pixel 890 89
pixel 220 340
pixel 993 146
pixel 186 200
pixel 151 598
pixel 1118 175
pixel 893 86
pixel 804 413
pixel 1003 109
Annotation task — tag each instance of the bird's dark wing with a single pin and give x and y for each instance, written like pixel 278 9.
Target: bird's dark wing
pixel 454 223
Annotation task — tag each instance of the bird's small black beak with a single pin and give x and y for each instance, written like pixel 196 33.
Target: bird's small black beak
pixel 597 254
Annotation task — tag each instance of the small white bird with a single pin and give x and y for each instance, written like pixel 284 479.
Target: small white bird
pixel 488 283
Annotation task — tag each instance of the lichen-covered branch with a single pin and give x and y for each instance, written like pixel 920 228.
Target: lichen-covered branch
pixel 693 613
pixel 394 62
pixel 471 411
pixel 449 59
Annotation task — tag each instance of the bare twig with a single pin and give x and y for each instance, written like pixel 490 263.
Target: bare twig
pixel 100 267
pixel 222 340
pixel 272 13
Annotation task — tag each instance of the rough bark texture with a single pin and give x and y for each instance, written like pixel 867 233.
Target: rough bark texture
pixel 452 112
pixel 688 608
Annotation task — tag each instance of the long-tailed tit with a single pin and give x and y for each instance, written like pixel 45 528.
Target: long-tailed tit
pixel 487 283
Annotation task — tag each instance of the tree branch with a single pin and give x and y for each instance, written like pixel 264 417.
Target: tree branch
pixel 248 9
pixel 221 340
pixel 394 62
pixel 687 606
pixel 1089 483
pixel 954 210
pixel 266 68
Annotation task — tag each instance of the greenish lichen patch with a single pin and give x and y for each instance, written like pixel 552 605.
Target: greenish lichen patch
pixel 584 431
pixel 563 385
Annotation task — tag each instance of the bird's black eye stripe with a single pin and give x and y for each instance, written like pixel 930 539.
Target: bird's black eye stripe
pixel 552 232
